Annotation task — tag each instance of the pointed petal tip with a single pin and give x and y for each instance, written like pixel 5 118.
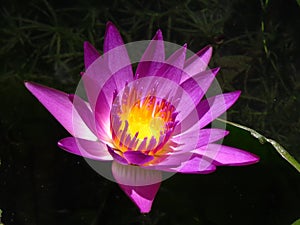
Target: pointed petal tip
pixel 238 93
pixel 86 43
pixel 139 184
pixel 85 148
pixel 256 159
pixel 226 132
pixel 33 87
pixel 159 31
pixel 60 144
pixel 67 147
pixel 222 155
pixel 158 35
pixel 109 23
pixel 87 46
pixel 232 96
pixel 216 70
pixel 141 196
pixel 28 84
pixel 251 159
pixel 111 26
pixel 207 50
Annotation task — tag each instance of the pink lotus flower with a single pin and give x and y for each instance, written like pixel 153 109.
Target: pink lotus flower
pixel 152 122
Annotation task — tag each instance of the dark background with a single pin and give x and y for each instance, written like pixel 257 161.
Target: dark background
pixel 256 43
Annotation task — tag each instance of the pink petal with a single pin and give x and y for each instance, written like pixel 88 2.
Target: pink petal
pixel 197 85
pixel 60 106
pixel 225 155
pixel 90 54
pixel 197 63
pixel 140 185
pixel 85 148
pixel 152 58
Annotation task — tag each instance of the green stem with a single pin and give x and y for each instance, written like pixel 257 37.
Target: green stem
pixel 262 139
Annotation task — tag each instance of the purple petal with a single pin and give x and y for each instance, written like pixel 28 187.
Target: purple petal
pixel 94 79
pixel 60 106
pixel 208 110
pixel 117 56
pixel 152 58
pixel 142 196
pixel 217 106
pixel 116 156
pixel 85 113
pixel 196 165
pixel 140 185
pixel 112 37
pixel 197 85
pixel 185 163
pixel 137 157
pixel 197 63
pixel 100 101
pixel 85 148
pixel 102 116
pixel 90 54
pixel 193 139
pixel 110 72
pixel 172 68
pixel 225 155
pixel 170 161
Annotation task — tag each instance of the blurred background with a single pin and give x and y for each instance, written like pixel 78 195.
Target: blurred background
pixel 256 44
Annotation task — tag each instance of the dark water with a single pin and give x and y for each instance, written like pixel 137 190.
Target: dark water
pixel 41 184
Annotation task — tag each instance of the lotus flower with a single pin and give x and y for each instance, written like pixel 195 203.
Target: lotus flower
pixel 153 122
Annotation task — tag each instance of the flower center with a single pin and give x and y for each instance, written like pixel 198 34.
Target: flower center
pixel 146 119
pixel 141 124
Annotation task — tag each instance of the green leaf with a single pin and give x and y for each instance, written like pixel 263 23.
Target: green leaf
pixel 262 140
pixel 297 222
pixel 298 1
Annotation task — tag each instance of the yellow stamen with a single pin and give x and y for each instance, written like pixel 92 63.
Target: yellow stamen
pixel 144 124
